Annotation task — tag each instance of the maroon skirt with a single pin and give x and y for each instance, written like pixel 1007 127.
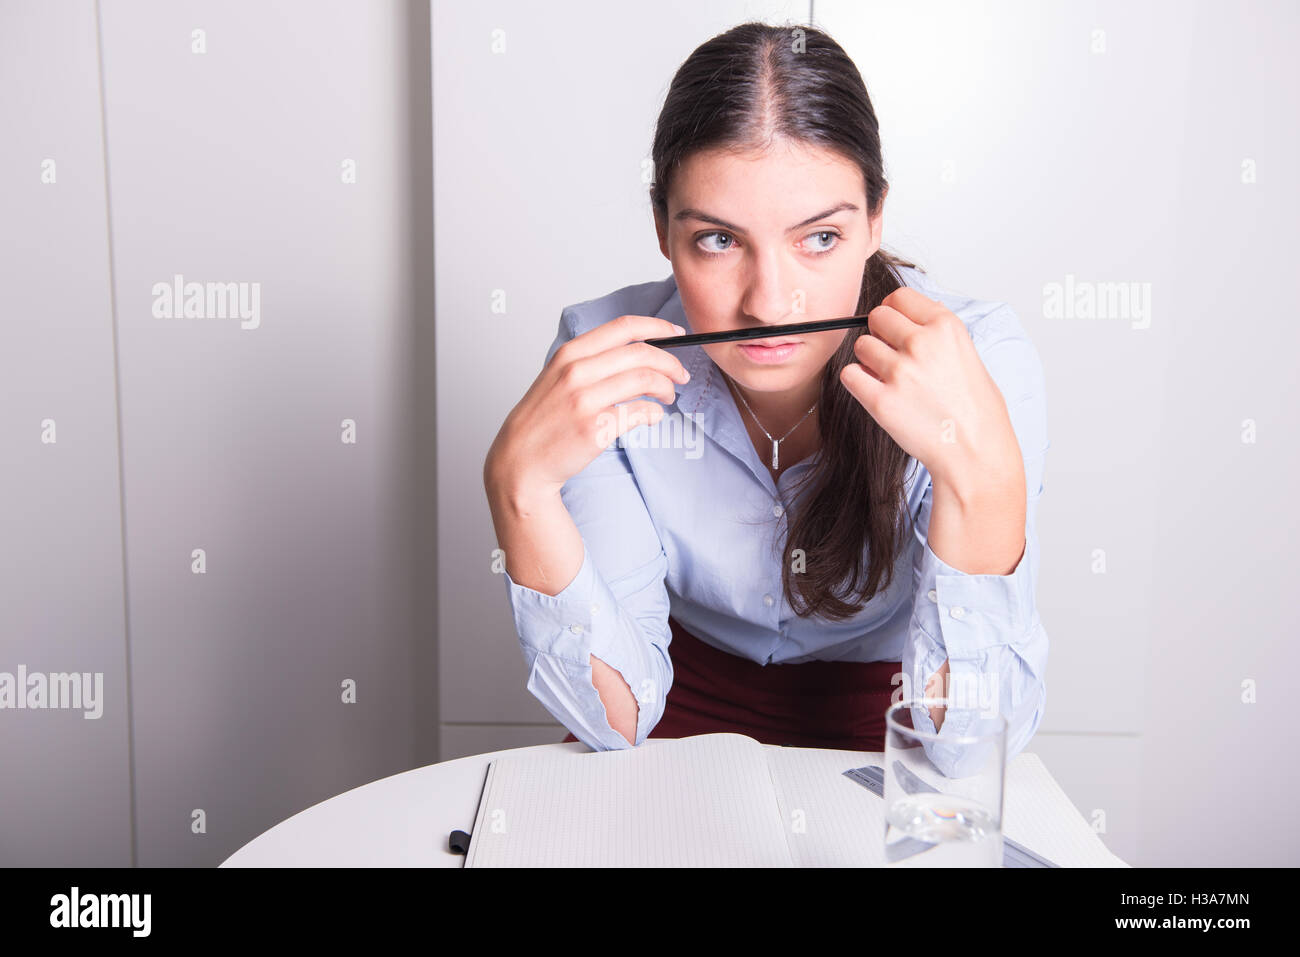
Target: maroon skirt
pixel 816 704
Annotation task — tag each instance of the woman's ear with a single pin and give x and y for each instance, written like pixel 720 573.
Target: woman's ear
pixel 878 225
pixel 662 232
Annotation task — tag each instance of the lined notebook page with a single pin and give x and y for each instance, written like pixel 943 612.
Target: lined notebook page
pixel 703 801
pixel 843 823
pixel 830 820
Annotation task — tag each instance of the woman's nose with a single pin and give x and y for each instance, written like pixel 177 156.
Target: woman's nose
pixel 771 296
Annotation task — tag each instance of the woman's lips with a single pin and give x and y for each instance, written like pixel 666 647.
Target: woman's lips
pixel 769 354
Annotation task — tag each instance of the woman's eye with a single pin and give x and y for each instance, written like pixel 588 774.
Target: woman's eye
pixel 715 251
pixel 831 245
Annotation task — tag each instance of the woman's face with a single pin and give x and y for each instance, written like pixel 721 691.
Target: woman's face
pixel 769 239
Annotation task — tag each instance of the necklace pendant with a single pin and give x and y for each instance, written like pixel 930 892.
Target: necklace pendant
pixel 775 443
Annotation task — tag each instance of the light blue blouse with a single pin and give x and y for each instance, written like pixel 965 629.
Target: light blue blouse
pixel 683 518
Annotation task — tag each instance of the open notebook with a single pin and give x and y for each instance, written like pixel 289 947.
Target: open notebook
pixel 725 800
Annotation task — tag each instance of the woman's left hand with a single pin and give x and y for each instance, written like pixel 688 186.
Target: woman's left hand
pixel 919 376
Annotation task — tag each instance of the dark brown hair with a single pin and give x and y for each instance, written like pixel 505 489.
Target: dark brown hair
pixel 738 91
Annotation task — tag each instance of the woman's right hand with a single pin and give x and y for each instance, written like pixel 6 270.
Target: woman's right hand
pixel 568 415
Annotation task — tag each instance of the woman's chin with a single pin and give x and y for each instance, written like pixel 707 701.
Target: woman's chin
pixel 781 378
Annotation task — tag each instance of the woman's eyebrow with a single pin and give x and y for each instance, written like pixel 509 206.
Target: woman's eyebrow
pixel 690 213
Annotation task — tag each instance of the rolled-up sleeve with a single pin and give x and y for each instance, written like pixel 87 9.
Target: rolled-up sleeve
pixel 987 626
pixel 616 607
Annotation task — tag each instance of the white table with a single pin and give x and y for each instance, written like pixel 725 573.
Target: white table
pixel 404 820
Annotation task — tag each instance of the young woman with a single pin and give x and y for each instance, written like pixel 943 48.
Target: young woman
pixel 778 538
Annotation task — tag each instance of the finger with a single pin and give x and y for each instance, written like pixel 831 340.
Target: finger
pixel 889 325
pixel 862 386
pixel 632 355
pixel 879 358
pixel 640 412
pixel 631 384
pixel 611 423
pixel 917 306
pixel 617 332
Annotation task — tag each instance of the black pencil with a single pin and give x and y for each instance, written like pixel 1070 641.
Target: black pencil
pixel 758 332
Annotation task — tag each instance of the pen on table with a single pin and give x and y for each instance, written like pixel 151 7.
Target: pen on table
pixel 758 332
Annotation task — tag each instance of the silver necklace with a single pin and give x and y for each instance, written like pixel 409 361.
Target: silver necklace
pixel 775 442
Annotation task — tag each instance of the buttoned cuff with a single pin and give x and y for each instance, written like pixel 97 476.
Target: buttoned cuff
pixel 559 625
pixel 962 616
pixel 585 619
pixel 968 613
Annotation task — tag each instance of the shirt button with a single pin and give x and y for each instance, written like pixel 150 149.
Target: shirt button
pixel 958 612
pixel 778 510
pixel 595 609
pixel 576 629
pixel 768 600
pixel 933 596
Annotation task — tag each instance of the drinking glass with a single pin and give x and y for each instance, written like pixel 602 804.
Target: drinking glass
pixel 943 791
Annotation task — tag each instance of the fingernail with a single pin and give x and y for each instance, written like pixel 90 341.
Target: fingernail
pixel 680 330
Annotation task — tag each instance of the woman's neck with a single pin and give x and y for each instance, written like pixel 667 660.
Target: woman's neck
pixel 779 412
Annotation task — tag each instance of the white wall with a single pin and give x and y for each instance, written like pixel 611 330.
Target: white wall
pixel 65 788
pixel 176 434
